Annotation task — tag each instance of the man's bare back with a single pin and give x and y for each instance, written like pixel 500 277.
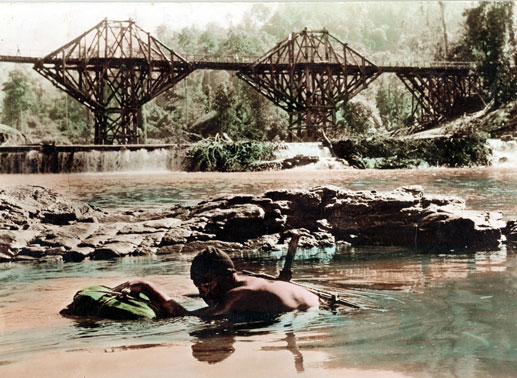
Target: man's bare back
pixel 226 291
pixel 261 295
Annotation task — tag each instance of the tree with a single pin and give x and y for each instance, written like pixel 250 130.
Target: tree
pixel 18 98
pixel 489 41
pixel 71 118
pixel 226 106
pixel 394 104
pixel 355 118
pixel 444 27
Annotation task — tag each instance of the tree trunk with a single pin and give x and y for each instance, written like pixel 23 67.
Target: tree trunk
pixel 444 28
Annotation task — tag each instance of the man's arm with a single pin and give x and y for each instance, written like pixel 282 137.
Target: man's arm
pixel 234 301
pixel 165 304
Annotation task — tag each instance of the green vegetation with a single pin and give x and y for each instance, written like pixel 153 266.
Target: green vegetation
pixel 458 150
pixel 19 98
pixel 394 104
pixel 225 155
pixel 209 103
pixel 489 41
pixel 41 112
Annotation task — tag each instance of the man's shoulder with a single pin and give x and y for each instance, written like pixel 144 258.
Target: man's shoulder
pixel 257 285
pixel 242 291
pixel 254 288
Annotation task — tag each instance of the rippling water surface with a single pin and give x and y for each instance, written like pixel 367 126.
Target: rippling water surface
pixel 482 188
pixel 423 314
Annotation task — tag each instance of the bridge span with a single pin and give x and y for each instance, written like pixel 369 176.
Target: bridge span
pixel 212 62
pixel 116 67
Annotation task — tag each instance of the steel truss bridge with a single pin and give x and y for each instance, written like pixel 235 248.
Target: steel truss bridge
pixel 116 67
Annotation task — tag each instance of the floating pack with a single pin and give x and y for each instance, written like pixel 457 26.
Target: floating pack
pixel 103 302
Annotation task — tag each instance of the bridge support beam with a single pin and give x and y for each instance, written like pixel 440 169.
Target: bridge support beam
pixel 442 95
pixel 118 126
pixel 309 75
pixel 308 123
pixel 114 68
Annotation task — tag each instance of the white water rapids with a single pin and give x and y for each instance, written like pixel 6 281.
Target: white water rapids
pixel 504 154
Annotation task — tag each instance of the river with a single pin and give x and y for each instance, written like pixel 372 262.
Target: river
pixel 423 314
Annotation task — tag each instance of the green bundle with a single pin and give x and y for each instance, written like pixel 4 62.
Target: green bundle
pixel 101 301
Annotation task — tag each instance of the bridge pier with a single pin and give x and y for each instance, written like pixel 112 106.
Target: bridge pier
pixel 309 123
pixel 441 95
pixel 308 75
pixel 117 126
pixel 113 69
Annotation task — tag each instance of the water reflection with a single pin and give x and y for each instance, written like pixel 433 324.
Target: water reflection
pixel 215 341
pixel 423 314
pixel 213 349
pixel 292 347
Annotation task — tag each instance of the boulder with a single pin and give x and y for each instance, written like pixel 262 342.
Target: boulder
pixel 6 256
pixel 237 223
pixel 33 251
pixel 164 223
pixel 67 236
pixel 135 239
pixel 265 242
pixel 298 161
pixel 15 239
pixel 37 203
pixel 112 250
pixel 77 254
pixel 459 230
pixel 324 215
pixel 106 232
pixel 170 249
pixel 176 235
pixel 152 240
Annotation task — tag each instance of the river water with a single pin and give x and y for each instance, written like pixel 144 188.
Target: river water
pixel 424 315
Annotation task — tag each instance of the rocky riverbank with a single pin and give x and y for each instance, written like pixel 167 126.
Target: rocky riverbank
pixel 39 224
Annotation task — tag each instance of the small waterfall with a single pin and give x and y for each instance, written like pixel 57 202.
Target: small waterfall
pixel 320 156
pixel 69 159
pixel 504 153
pixel 126 160
pixel 290 150
pixel 79 159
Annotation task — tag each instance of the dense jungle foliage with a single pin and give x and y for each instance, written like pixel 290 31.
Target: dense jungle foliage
pixel 216 102
pixel 224 155
pixel 457 150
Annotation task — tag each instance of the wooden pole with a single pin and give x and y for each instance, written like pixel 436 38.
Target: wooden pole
pixel 286 273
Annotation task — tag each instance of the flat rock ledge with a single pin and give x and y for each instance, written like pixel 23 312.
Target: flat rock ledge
pixel 37 223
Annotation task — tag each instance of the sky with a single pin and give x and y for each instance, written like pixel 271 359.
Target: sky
pixel 38 28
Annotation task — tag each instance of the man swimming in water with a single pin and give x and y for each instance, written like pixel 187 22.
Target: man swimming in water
pixel 226 291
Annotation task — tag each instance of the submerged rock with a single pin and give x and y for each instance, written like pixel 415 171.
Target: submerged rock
pixel 324 216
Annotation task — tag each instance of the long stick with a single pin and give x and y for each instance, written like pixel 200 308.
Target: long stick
pixel 286 273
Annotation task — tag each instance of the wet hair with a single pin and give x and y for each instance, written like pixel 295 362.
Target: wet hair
pixel 212 261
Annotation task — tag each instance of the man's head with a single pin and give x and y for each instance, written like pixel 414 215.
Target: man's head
pixel 211 270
